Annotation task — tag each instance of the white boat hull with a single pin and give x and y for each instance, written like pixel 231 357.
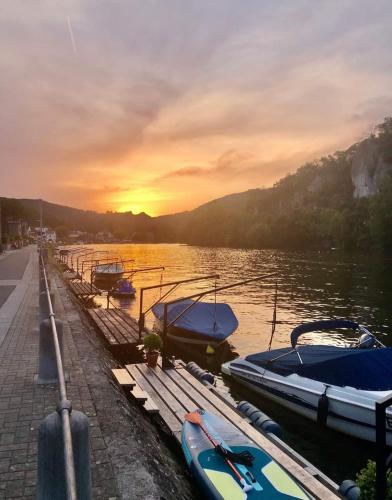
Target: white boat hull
pixel 350 410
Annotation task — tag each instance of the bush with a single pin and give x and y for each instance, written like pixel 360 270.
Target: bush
pixel 366 480
pixel 152 342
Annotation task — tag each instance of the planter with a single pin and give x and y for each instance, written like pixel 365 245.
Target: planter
pixel 152 359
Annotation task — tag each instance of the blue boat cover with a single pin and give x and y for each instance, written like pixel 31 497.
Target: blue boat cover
pixel 329 324
pixel 214 321
pixel 366 369
pixel 125 286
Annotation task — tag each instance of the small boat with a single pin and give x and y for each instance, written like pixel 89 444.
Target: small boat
pixel 123 288
pixel 212 443
pixel 335 386
pixel 197 323
pixel 106 275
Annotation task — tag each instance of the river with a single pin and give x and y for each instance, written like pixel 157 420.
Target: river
pixel 311 286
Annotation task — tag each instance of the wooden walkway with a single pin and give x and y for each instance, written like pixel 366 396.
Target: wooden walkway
pixel 174 392
pixel 117 327
pixel 84 289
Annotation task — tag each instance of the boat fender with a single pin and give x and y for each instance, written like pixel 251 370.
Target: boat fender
pixel 349 490
pixel 322 409
pixel 259 419
pixel 199 373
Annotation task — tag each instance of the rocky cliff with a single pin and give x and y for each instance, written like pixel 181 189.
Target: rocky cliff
pixel 369 168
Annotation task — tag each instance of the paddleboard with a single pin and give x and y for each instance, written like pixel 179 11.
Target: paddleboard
pixel 213 473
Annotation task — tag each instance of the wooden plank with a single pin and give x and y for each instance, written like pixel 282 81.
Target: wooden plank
pixel 101 313
pixel 83 288
pixel 198 399
pixel 164 401
pixel 121 326
pixel 299 473
pixel 105 316
pixel 150 406
pixel 123 377
pixel 158 376
pixel 128 320
pixel 102 327
pixel 138 393
pixel 177 407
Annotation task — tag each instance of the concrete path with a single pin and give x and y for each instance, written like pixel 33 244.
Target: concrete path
pixel 15 274
pixel 129 460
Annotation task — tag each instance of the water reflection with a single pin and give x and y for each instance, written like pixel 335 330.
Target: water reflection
pixel 311 286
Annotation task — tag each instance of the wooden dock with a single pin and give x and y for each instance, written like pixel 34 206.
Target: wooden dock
pixel 117 327
pixel 174 392
pixel 83 289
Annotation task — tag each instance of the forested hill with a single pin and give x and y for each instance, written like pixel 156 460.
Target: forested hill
pixel 343 200
pixel 65 219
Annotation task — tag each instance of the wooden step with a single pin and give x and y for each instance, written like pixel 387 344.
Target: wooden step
pixel 139 394
pixel 150 406
pixel 123 377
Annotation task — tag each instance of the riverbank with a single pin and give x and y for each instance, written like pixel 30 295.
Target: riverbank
pixel 129 458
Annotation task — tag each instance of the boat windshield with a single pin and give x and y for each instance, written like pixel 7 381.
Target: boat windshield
pixel 365 369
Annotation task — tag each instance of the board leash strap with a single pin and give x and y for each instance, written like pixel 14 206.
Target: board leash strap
pixel 244 457
pixel 241 467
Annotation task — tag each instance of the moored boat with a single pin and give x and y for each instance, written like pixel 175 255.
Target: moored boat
pixel 335 386
pixel 197 323
pixel 124 288
pixel 106 275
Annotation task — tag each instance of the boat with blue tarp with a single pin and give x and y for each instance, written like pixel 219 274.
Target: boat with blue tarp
pixel 196 322
pixel 336 386
pixel 123 288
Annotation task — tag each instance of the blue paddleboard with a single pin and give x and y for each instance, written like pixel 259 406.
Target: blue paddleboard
pixel 209 468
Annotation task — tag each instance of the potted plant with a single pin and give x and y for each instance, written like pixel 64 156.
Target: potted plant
pixel 152 345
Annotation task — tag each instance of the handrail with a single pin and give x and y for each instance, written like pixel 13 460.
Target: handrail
pixel 64 407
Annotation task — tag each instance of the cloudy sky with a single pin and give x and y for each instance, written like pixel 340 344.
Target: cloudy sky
pixel 161 105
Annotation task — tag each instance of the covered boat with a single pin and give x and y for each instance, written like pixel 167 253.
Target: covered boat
pixel 335 386
pixel 198 323
pixel 106 275
pixel 124 288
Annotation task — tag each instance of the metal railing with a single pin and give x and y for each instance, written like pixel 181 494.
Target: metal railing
pixel 382 459
pixel 64 407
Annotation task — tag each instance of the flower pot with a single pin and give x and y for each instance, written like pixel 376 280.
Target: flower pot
pixel 152 359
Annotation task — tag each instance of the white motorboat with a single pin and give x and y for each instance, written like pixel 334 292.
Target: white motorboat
pixel 108 274
pixel 335 386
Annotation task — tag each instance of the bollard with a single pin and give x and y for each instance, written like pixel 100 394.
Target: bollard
pixel 47 366
pixel 44 305
pixel 42 284
pixel 51 476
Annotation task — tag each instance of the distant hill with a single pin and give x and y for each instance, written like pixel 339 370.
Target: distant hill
pixel 343 200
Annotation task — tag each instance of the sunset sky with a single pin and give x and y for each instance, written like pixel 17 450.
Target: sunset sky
pixel 161 105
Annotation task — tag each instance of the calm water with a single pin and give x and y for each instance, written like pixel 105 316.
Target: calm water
pixel 311 286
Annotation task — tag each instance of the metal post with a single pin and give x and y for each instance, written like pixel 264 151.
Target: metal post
pixel 47 363
pixel 381 449
pixel 165 359
pixel 52 483
pixel 141 315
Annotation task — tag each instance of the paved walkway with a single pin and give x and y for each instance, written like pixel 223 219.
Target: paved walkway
pixel 129 461
pixel 15 273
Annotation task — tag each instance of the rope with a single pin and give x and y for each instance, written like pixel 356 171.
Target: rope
pixel 215 306
pixel 274 316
